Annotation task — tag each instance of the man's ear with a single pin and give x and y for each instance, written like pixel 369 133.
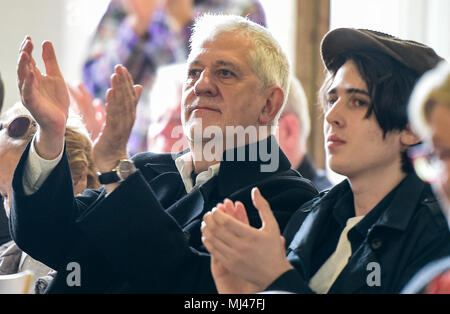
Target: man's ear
pixel 289 128
pixel 408 137
pixel 274 101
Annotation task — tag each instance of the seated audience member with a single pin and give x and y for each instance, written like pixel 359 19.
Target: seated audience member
pixel 429 112
pixel 294 127
pixel 144 35
pixel 18 128
pixel 165 131
pixel 141 231
pixel 90 109
pixel 372 232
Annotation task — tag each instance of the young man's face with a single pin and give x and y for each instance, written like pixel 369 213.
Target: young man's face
pixel 440 137
pixel 354 144
pixel 221 89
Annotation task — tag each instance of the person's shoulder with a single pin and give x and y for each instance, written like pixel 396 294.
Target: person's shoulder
pixel 141 159
pixel 321 180
pixel 291 179
pixel 430 212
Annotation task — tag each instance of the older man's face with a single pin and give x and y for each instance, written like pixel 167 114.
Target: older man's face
pixel 221 89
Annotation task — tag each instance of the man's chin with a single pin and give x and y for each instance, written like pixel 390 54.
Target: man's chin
pixel 203 133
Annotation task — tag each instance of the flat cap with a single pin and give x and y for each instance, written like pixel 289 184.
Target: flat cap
pixel 413 55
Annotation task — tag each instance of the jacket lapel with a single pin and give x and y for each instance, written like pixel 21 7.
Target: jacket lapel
pixel 301 246
pixel 304 241
pixel 165 180
pixel 189 207
pixel 236 173
pixel 168 188
pixel 355 274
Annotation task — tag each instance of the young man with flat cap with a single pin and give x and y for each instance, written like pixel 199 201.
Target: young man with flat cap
pixel 372 232
pixel 141 232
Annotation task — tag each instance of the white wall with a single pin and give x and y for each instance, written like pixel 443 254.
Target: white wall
pixel 281 22
pixel 426 21
pixel 40 19
pixel 66 23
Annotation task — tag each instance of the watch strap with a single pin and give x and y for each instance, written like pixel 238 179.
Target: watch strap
pixel 108 177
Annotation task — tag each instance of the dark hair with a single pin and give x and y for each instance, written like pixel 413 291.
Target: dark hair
pixel 389 84
pixel 2 93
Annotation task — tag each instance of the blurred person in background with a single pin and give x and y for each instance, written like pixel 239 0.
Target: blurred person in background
pixel 165 131
pixel 17 129
pixel 293 131
pixel 429 113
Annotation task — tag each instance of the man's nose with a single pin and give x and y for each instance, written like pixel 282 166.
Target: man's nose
pixel 334 116
pixel 205 85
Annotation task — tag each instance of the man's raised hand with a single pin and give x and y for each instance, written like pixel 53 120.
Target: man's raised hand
pixel 121 101
pixel 45 96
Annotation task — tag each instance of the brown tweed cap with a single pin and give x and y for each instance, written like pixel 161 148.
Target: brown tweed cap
pixel 413 55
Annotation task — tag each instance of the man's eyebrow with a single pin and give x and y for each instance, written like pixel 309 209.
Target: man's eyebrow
pixel 227 64
pixel 332 91
pixel 195 62
pixel 350 91
pixel 357 91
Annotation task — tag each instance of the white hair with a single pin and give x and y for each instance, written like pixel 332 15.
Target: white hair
pixel 267 59
pixel 432 87
pixel 297 104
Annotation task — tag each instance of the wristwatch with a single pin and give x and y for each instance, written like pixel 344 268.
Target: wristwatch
pixel 122 171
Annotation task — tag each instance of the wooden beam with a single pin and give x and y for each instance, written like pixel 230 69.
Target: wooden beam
pixel 313 20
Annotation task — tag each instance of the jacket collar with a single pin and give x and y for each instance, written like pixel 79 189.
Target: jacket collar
pixel 240 166
pixel 406 198
pixel 262 160
pixel 165 162
pixel 400 211
pixel 306 168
